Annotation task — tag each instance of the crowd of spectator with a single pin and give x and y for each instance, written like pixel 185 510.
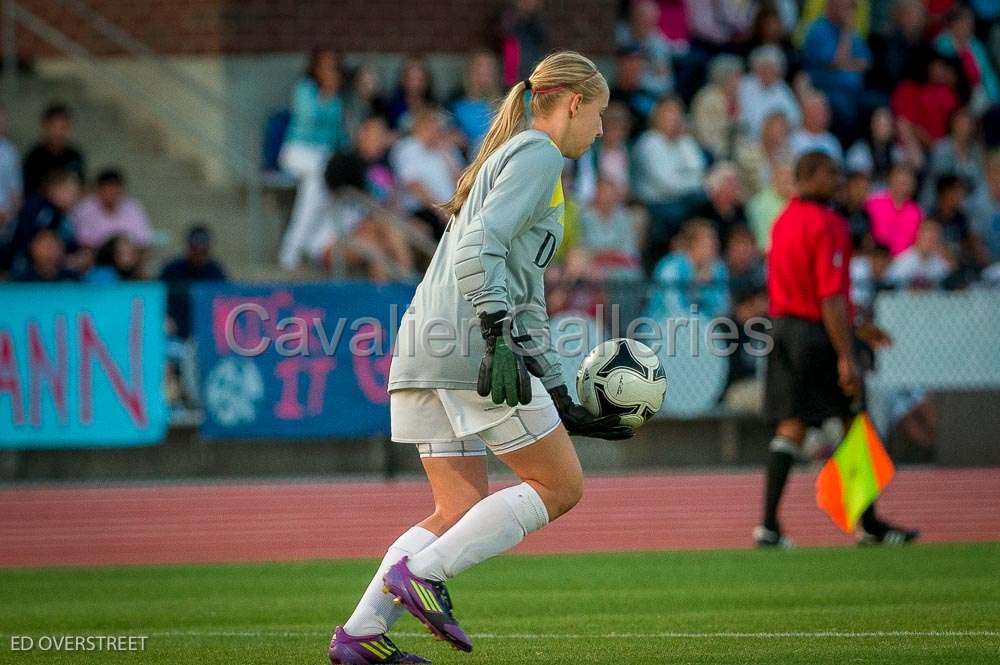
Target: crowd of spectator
pixel 711 103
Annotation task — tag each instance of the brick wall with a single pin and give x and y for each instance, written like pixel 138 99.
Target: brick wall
pixel 205 27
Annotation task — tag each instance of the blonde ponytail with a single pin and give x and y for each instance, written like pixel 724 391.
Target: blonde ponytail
pixel 559 74
pixel 507 122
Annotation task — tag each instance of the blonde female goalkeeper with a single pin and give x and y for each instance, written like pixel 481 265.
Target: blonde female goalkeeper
pixel 502 390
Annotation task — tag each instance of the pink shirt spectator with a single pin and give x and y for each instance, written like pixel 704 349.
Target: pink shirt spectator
pixel 892 226
pixel 94 224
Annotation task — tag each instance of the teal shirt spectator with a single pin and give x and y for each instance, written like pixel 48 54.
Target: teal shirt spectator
pixel 316 121
pixel 473 117
pixel 945 45
pixel 817 58
pixel 675 289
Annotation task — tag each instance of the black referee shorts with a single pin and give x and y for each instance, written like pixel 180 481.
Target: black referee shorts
pixel 801 379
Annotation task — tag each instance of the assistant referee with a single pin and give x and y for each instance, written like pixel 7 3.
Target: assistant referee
pixel 812 371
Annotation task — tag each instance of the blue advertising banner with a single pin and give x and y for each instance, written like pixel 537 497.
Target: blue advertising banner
pixel 295 361
pixel 81 366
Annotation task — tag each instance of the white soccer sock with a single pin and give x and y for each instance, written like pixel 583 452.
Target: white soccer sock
pixel 492 526
pixel 376 612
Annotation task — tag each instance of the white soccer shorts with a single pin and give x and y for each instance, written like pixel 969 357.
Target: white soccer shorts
pixel 460 423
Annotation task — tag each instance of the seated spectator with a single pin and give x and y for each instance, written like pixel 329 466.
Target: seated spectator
pixel 359 230
pixel 772 26
pixel 949 213
pixel 668 161
pixel 611 234
pixel 985 208
pixel 316 130
pixel 118 260
pixel 110 212
pixel 427 165
pixel 758 159
pixel 474 109
pixel 894 214
pixel 763 92
pixel 725 199
pixel 721 26
pixel 924 265
pixel 715 110
pixel 814 134
pixel 882 148
pixel 47 208
pixel 852 204
pixel 628 90
pixel 765 206
pixel 196 265
pixel 692 280
pixel 11 187
pixel 45 260
pixel 928 103
pixel 904 54
pixel 958 39
pixel 364 99
pixel 611 151
pixel 414 94
pixel 960 154
pixel 744 261
pixel 54 152
pixel 836 57
pixel 643 32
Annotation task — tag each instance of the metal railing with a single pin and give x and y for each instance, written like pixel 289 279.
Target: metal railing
pixel 140 91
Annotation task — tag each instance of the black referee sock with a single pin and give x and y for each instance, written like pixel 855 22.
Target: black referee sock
pixel 872 524
pixel 779 463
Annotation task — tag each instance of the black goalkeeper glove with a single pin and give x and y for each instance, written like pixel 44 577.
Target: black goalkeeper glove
pixel 503 373
pixel 579 421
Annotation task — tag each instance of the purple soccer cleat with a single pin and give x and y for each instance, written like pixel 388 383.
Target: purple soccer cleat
pixel 367 649
pixel 428 601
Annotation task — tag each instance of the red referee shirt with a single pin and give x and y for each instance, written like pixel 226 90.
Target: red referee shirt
pixel 809 260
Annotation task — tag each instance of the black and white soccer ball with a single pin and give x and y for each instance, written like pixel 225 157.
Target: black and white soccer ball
pixel 623 377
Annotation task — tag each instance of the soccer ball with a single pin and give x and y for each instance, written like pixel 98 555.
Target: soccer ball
pixel 624 377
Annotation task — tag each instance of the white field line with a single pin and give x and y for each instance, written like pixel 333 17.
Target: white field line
pixel 830 634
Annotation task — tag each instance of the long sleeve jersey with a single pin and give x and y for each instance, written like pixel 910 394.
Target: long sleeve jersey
pixel 492 258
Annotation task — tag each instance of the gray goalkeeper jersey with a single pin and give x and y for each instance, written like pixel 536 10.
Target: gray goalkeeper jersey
pixel 492 258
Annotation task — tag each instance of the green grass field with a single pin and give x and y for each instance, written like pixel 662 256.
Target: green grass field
pixel 924 604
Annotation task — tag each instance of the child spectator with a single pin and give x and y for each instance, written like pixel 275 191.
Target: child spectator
pixel 763 92
pixel 11 187
pixel 868 268
pixel 715 110
pixel 852 204
pixel 924 265
pixel 668 161
pixel 744 261
pixel 45 260
pixel 895 215
pixel 414 94
pixel 949 213
pixel 54 152
pixel 474 109
pixel 693 276
pixel 427 165
pixel 611 234
pixel 118 260
pixel 47 209
pixel 110 212
pixel 316 130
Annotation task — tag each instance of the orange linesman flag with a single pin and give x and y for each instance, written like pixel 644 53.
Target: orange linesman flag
pixel 854 477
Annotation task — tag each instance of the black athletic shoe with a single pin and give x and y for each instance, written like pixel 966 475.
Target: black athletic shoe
pixel 890 535
pixel 764 537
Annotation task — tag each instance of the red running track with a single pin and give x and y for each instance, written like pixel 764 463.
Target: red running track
pixel 292 521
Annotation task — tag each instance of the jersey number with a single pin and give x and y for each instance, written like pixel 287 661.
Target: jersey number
pixel 546 250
